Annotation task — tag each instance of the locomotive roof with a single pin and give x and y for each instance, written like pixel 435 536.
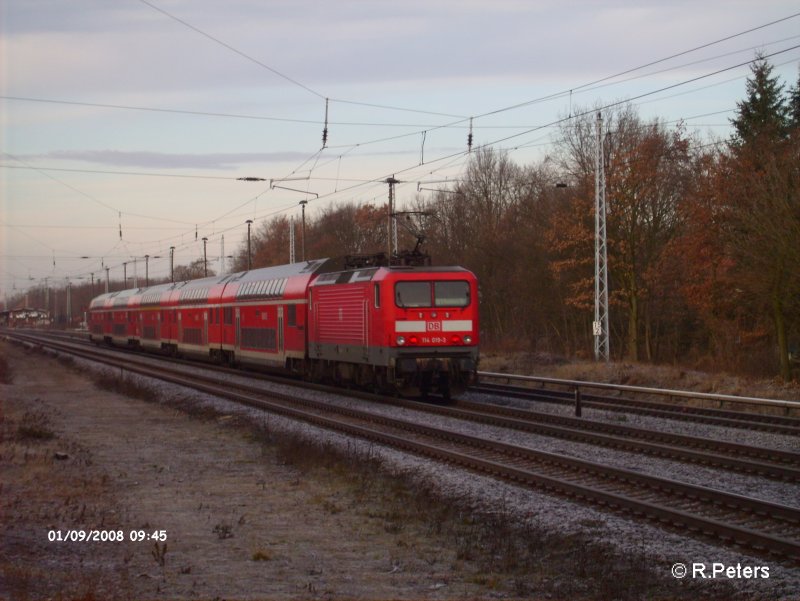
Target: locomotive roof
pixel 426 268
pixel 352 276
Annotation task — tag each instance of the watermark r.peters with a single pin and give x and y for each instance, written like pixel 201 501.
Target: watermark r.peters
pixel 717 570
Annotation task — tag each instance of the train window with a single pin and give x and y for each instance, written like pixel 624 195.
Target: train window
pixel 291 315
pixel 451 294
pixel 377 296
pixel 418 294
pixel 412 294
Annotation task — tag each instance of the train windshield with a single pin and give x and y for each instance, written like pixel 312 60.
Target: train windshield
pixel 431 294
pixel 451 294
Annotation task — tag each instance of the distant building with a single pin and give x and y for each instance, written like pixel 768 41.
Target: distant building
pixel 25 318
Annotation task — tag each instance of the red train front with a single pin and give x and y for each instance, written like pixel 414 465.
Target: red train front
pixel 414 329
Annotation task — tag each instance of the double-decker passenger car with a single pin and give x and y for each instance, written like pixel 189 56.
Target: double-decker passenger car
pixel 408 328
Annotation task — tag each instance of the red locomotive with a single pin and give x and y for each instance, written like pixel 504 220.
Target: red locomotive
pixel 409 328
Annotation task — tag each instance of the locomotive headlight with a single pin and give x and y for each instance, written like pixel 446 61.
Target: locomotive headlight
pixel 401 340
pixel 467 339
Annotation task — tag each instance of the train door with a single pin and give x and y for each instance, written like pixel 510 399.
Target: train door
pixel 227 320
pixel 237 331
pixel 280 330
pixel 313 307
pixel 365 347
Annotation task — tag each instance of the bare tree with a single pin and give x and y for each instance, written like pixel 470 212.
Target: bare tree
pixel 648 171
pixel 192 271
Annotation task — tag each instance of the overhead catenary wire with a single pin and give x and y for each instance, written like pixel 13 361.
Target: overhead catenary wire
pixel 593 110
pixel 644 66
pixel 276 71
pixel 457 156
pixel 462 120
pixel 461 117
pixel 232 49
pixel 605 107
pixel 151 174
pixel 534 128
pixel 316 122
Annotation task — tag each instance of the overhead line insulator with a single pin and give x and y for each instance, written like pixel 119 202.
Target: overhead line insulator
pixel 325 129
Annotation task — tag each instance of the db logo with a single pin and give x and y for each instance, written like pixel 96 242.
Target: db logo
pixel 434 326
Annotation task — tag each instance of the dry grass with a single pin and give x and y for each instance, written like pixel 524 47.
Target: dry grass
pixel 6 377
pixel 45 482
pixel 34 426
pixel 126 384
pixel 645 375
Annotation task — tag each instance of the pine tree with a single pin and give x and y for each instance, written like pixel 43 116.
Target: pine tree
pixel 763 223
pixel 764 113
pixel 794 104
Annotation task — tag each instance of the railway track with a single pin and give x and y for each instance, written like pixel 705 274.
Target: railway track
pixel 704 415
pixel 760 461
pixel 733 519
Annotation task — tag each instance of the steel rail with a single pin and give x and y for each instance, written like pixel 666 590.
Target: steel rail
pixel 719 417
pixel 771 463
pixel 761 461
pixel 726 398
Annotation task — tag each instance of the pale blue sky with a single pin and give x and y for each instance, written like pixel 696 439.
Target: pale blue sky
pixel 238 88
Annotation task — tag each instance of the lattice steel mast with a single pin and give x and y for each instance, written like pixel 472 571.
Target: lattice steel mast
pixel 600 325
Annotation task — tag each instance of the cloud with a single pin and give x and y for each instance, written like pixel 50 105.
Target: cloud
pixel 161 160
